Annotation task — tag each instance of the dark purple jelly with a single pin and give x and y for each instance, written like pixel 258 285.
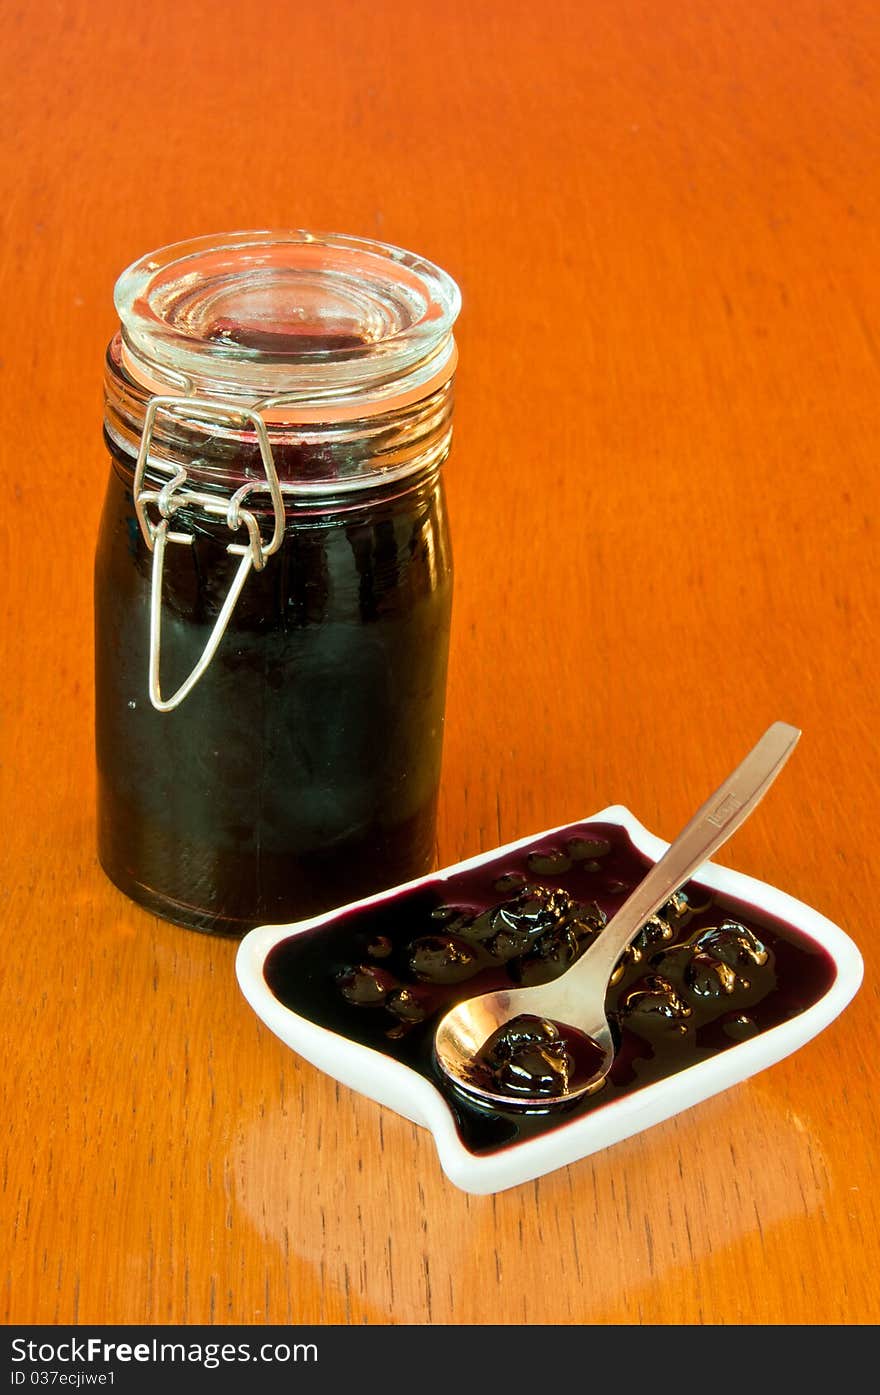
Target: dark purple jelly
pixel 533 1058
pixel 705 973
pixel 302 771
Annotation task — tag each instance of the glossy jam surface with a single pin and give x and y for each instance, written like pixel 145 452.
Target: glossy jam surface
pixel 706 973
pixel 534 1058
pixel 302 771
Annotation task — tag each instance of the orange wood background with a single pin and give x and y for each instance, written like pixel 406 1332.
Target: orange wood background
pixel 663 495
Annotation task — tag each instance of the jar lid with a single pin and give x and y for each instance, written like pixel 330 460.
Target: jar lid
pixel 293 316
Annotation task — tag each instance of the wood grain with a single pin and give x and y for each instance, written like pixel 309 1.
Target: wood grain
pixel 663 495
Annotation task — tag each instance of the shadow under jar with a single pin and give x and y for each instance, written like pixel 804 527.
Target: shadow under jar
pixel 273 581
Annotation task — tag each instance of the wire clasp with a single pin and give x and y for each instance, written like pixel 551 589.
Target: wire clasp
pixel 173 496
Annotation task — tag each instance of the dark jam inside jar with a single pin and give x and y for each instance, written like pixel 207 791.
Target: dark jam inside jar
pixel 706 973
pixel 302 771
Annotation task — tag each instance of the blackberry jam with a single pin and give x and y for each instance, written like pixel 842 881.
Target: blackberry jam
pixel 535 1058
pixel 705 973
pixel 273 579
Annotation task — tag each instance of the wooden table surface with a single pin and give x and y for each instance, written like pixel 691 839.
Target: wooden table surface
pixel 663 485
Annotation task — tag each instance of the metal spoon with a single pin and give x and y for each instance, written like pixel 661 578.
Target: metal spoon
pixel 577 998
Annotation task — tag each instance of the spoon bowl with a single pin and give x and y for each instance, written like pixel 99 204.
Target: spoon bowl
pixel 572 1044
pixel 462 1034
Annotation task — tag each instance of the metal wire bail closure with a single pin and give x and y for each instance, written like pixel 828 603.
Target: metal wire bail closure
pixel 173 496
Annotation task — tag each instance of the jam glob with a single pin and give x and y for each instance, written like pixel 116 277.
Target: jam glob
pixel 533 1058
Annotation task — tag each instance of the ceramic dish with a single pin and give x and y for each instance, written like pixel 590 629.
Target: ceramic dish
pixel 400 1087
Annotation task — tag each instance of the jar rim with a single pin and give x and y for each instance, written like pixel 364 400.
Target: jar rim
pixel 287 314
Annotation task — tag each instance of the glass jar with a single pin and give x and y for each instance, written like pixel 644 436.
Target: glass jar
pixel 273 580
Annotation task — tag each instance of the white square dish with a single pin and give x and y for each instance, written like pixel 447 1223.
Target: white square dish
pixel 411 1094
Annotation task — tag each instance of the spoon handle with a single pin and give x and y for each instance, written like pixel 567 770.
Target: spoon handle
pixel 712 824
